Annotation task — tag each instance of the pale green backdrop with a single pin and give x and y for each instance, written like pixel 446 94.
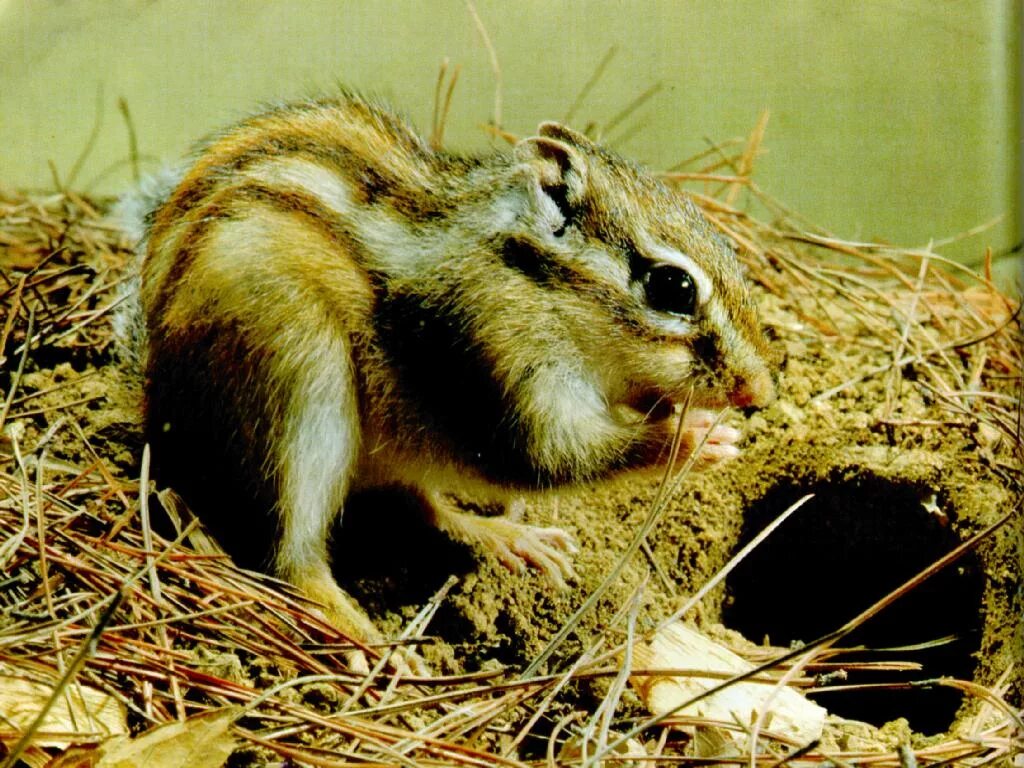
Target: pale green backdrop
pixel 892 119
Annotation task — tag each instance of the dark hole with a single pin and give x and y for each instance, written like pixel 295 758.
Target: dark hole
pixel 387 555
pixel 854 542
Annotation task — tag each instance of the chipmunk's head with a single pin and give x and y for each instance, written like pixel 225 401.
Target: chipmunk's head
pixel 652 294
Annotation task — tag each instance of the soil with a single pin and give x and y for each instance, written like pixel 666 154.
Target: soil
pixel 898 481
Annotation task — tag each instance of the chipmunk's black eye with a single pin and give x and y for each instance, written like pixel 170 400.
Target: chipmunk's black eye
pixel 670 289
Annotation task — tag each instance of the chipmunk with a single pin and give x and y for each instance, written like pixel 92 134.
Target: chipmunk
pixel 327 303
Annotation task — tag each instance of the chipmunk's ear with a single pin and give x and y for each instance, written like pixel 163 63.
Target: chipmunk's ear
pixel 558 131
pixel 559 168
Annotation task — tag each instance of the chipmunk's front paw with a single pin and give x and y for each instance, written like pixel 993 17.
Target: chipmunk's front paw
pixel 716 442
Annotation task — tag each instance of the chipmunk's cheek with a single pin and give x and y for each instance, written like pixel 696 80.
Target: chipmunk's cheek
pixel 659 378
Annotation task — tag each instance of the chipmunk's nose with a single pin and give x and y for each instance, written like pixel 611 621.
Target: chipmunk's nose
pixel 754 391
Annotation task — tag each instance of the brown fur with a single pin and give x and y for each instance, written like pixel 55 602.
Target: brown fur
pixel 330 304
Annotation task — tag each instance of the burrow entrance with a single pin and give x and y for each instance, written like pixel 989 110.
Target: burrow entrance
pixel 855 541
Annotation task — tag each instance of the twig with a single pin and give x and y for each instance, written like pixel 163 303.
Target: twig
pixel 16 378
pixel 442 103
pixel 595 76
pixel 492 56
pixel 133 142
pixel 654 514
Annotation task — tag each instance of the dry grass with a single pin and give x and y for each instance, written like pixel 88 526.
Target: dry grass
pixel 93 599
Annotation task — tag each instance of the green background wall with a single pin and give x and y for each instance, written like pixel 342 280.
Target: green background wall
pixel 891 119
